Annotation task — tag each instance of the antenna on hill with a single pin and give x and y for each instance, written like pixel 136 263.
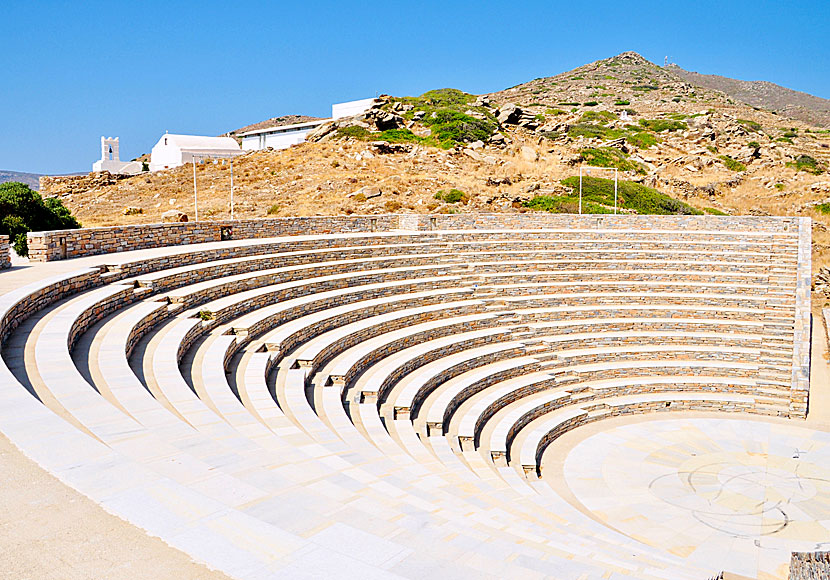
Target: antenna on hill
pixel 665 62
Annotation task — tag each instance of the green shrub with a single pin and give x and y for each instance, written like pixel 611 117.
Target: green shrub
pixel 450 127
pixel 751 125
pixel 785 140
pixel 823 208
pixel 806 163
pixel 353 131
pixel 402 136
pixel 568 104
pixel 754 145
pixel 601 117
pixel 598 197
pixel 732 164
pixel 641 139
pixel 447 97
pixel 446 115
pixel 274 209
pixel 658 125
pixel 714 211
pixel 451 196
pixel 610 157
pixel 23 210
pixel 554 112
pixel 205 315
pixel 622 102
pixel 591 104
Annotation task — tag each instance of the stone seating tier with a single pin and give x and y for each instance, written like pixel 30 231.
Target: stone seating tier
pixel 394 392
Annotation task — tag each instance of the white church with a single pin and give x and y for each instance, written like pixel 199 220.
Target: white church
pixel 175 150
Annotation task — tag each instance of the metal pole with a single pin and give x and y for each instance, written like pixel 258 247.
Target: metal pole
pixel 231 188
pixel 580 190
pixel 615 191
pixel 195 194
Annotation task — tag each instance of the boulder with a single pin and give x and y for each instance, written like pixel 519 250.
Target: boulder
pixel 529 153
pixel 384 120
pixel 174 215
pixel 509 114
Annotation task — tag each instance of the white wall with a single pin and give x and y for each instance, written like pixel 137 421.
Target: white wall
pixel 350 108
pixel 275 140
pixel 126 167
pixel 165 155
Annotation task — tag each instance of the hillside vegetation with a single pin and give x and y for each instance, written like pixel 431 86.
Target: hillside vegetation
pixel 696 148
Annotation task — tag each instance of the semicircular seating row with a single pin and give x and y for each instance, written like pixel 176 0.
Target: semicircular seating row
pixel 378 405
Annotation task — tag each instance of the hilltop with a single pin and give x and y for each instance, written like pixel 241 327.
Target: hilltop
pixel 512 151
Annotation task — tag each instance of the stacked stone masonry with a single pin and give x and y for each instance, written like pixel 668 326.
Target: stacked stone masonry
pixel 5 253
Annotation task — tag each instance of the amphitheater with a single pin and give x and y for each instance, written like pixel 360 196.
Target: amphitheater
pixel 453 396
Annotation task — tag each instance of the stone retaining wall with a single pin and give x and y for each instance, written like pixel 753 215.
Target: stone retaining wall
pixel 809 566
pixel 62 244
pixel 5 256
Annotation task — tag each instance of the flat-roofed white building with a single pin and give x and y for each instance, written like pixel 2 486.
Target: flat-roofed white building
pixel 175 150
pixel 350 108
pixel 279 137
pixel 284 136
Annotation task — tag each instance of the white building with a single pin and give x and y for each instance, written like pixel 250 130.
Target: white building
pixel 282 137
pixel 175 150
pixel 350 108
pixel 109 159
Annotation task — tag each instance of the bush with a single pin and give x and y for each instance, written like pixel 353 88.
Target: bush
pixel 447 97
pixel 751 125
pixel 622 103
pixel 806 163
pixel 274 209
pixel 353 131
pixel 658 125
pixel 641 139
pixel 451 196
pixel 823 208
pixel 591 104
pixel 450 127
pixel 732 164
pixel 402 136
pixel 754 145
pixel 714 211
pixel 205 315
pixel 598 197
pixel 610 157
pixel 23 210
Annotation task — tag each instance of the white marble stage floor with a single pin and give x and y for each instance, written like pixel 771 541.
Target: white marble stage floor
pixel 725 493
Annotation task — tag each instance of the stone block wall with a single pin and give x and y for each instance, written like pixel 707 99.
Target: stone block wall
pixel 62 244
pixel 5 256
pixel 809 566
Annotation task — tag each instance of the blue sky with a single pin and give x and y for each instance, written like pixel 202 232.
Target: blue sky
pixel 73 71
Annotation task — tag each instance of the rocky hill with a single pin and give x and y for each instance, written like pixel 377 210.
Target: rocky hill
pixel 765 95
pixel 678 147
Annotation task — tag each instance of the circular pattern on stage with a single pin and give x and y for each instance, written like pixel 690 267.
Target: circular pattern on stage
pixel 731 494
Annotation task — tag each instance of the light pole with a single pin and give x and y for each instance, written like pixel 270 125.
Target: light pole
pixel 195 188
pixel 195 192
